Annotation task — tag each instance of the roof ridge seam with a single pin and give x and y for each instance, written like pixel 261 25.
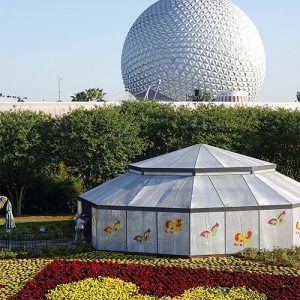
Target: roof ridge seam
pixel 213 155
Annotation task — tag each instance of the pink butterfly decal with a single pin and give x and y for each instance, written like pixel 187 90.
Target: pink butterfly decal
pixel 277 220
pixel 212 231
pixel 143 237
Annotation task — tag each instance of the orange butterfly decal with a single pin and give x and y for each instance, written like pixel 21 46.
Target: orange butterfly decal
pixel 298 228
pixel 243 238
pixel 112 228
pixel 144 237
pixel 173 226
pixel 277 220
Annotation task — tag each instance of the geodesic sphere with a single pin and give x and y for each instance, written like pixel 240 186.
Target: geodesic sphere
pixel 210 45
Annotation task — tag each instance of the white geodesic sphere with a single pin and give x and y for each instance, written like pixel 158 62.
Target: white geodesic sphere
pixel 192 44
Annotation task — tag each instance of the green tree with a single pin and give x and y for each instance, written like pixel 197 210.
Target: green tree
pixel 88 95
pixel 206 96
pixel 26 147
pixel 231 128
pixel 279 139
pixel 53 191
pixel 98 144
pixel 94 93
pixel 157 123
pixel 81 96
pixel 166 128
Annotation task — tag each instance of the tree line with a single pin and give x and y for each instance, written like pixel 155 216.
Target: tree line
pixel 46 161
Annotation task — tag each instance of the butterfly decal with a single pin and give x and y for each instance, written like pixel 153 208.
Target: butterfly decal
pixel 94 219
pixel 298 228
pixel 243 238
pixel 143 237
pixel 173 226
pixel 277 220
pixel 113 228
pixel 212 231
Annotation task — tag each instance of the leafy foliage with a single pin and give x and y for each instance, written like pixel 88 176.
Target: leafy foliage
pixel 97 144
pixel 265 133
pixel 53 191
pixel 88 95
pixel 279 139
pixel 286 257
pixel 54 158
pixel 26 144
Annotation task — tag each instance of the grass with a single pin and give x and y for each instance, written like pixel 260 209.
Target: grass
pixel 56 225
pixel 35 222
pixel 39 219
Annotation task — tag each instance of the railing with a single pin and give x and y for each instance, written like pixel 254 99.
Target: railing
pixel 21 240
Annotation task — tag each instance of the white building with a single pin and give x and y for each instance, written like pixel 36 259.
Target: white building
pixel 232 96
pixel 200 200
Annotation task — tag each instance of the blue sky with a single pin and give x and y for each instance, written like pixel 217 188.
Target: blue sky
pixel 81 42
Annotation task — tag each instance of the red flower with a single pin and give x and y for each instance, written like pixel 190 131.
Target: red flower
pixel 158 280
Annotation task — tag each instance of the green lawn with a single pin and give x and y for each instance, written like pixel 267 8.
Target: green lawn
pixel 38 219
pixel 33 224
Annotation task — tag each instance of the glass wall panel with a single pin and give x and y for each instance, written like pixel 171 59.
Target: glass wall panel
pixel 242 230
pixel 276 228
pixel 111 230
pixel 173 233
pixel 94 227
pixel 296 226
pixel 207 233
pixel 141 231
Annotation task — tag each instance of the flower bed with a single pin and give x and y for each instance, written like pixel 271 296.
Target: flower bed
pixel 117 289
pixel 145 278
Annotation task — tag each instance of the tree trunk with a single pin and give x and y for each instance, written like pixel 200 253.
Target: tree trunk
pixel 19 201
pixel 16 200
pixel 11 198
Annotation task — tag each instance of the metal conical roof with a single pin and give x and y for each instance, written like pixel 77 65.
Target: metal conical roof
pixel 201 159
pixel 198 178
